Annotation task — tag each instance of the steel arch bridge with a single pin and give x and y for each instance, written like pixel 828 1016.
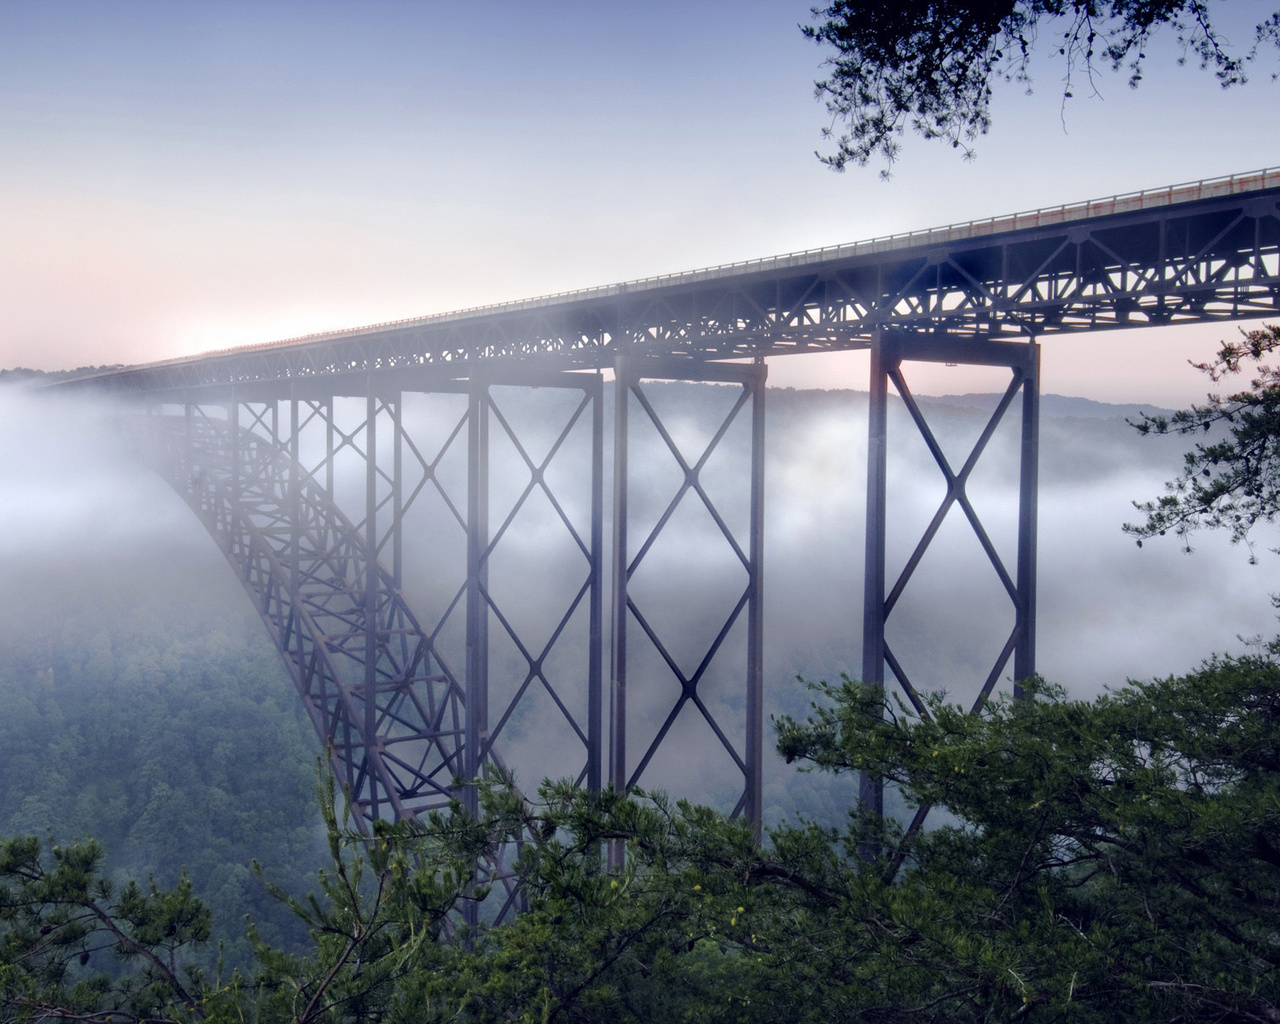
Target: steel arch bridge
pixel 262 442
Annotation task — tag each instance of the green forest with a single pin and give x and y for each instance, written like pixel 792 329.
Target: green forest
pixel 176 743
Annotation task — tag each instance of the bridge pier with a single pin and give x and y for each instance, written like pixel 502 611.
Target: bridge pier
pixel 626 769
pixel 889 350
pixel 486 609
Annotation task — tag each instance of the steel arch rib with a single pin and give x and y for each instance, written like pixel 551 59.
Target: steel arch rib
pixel 317 621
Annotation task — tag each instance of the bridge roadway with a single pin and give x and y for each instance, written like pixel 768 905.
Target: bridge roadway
pixel 1186 253
pixel 251 437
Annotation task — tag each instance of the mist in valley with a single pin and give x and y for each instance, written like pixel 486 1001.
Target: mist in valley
pixel 96 547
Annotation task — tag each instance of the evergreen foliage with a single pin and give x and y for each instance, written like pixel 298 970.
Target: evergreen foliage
pixel 1105 860
pixel 1231 481
pixel 929 65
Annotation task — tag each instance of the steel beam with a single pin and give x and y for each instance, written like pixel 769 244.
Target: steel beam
pixel 477 586
pixel 618 777
pixel 870 790
pixel 1024 658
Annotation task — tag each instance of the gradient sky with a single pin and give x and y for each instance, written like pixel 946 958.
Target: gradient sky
pixel 181 176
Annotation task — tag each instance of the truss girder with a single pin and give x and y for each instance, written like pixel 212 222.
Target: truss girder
pixel 1209 259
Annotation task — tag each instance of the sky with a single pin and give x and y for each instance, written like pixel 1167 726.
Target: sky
pixel 177 177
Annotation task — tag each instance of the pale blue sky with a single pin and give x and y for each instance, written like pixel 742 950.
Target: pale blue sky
pixel 179 176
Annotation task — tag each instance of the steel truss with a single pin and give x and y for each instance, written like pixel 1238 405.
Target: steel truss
pixel 1210 251
pixel 888 352
pixel 388 712
pixel 403 715
pixel 404 707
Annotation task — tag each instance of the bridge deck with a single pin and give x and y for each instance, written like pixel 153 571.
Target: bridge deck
pixel 1207 250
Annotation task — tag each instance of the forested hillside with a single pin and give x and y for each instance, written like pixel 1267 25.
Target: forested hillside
pixel 173 736
pixel 141 702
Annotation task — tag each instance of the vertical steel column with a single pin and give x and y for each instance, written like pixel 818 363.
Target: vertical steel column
pixel 477 728
pixel 595 739
pixel 754 752
pixel 330 413
pixel 397 491
pixel 871 788
pixel 1024 657
pixel 295 519
pixel 618 639
pixel 188 453
pixel 233 431
pixel 371 596
pixel 477 668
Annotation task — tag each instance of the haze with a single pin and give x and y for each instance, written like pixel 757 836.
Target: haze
pixel 83 520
